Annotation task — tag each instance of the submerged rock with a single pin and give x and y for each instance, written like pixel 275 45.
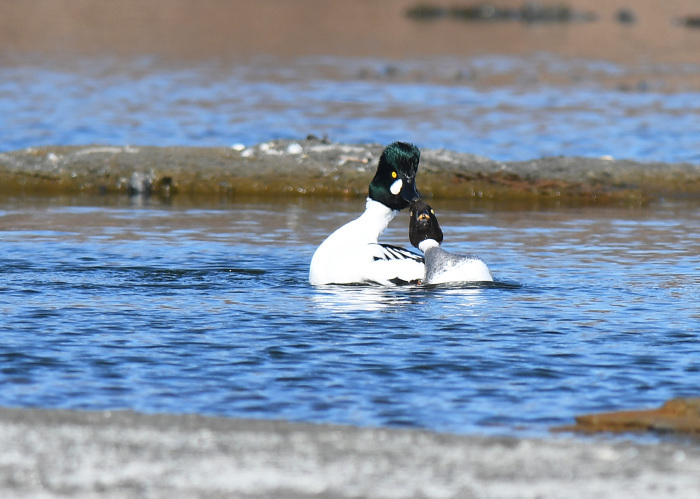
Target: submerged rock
pixel 692 21
pixel 626 16
pixel 529 12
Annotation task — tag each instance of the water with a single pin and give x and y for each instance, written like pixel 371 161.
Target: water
pixel 437 103
pixel 116 303
pixel 107 304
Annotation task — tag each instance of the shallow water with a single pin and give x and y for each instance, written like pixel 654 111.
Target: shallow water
pixel 170 307
pixel 547 106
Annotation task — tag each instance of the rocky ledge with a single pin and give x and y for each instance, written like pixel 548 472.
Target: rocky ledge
pixel 317 167
pixel 680 415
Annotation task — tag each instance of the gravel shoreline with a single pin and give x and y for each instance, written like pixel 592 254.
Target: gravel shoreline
pixel 315 167
pixel 49 453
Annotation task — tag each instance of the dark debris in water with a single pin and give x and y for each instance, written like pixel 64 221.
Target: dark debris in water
pixel 690 21
pixel 529 12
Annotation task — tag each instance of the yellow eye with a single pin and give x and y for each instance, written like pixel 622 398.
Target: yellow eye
pixel 393 174
pixel 432 212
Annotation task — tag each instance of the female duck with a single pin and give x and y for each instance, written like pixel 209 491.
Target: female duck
pixel 352 254
pixel 440 266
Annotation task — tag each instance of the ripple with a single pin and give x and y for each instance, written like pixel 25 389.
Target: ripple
pixel 111 102
pixel 588 316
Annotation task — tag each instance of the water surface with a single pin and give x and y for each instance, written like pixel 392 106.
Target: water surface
pixel 178 308
pixel 548 106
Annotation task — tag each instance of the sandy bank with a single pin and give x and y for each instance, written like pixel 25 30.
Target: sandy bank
pixel 314 167
pixel 123 454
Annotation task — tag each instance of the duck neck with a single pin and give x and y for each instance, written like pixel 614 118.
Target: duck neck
pixel 377 216
pixel 428 244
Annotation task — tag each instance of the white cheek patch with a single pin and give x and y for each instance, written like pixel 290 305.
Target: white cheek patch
pixel 396 187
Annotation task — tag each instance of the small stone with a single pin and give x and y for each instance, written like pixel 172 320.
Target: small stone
pixel 294 148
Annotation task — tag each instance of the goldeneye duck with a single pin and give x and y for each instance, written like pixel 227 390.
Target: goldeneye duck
pixel 440 266
pixel 352 254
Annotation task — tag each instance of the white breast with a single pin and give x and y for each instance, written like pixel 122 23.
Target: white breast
pixel 352 254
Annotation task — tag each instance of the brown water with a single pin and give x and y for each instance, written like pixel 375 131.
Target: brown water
pixel 180 30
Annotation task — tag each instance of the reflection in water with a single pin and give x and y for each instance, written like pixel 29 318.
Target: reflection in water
pixel 358 298
pixel 341 299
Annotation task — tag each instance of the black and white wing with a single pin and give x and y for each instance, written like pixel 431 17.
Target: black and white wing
pixel 390 252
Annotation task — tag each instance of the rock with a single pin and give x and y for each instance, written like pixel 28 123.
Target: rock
pixel 317 167
pixel 680 415
pixel 294 148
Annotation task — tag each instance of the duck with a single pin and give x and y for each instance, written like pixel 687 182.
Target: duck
pixel 441 267
pixel 352 254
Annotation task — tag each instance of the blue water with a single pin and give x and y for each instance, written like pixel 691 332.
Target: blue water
pixel 117 303
pixel 435 104
pixel 108 304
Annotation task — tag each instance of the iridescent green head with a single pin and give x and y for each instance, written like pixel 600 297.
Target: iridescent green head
pixel 394 184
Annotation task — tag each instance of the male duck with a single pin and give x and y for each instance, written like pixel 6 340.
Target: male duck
pixel 440 266
pixel 352 253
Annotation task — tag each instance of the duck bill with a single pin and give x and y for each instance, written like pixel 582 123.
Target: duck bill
pixel 424 217
pixel 409 192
